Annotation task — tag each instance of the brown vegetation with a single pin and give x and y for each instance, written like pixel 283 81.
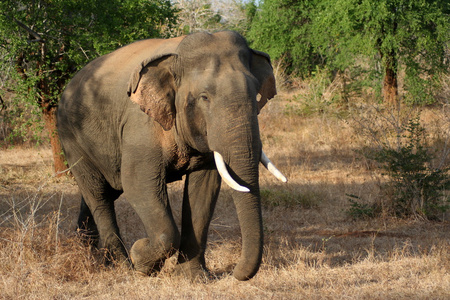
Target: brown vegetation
pixel 313 250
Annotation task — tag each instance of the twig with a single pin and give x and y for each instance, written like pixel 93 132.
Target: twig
pixel 57 222
pixel 68 169
pixel 36 35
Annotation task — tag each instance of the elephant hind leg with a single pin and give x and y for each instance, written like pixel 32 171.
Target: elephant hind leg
pixel 86 228
pixel 97 219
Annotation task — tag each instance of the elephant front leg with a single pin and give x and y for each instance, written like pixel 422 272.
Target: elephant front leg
pixel 199 199
pixel 149 199
pixel 148 254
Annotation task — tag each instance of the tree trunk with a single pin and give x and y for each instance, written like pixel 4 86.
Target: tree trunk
pixel 390 85
pixel 50 125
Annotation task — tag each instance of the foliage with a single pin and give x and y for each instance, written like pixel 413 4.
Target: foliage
pixel 415 186
pixel 281 28
pixel 418 188
pixel 236 15
pixel 421 88
pixel 320 96
pixel 20 122
pixel 207 15
pixel 44 42
pixel 194 16
pixel 405 34
pixel 399 35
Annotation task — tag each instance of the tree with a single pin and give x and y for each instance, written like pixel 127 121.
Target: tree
pixel 213 15
pixel 196 15
pixel 409 34
pixel 236 15
pixel 281 28
pixel 44 42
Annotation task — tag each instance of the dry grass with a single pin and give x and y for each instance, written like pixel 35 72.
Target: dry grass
pixel 312 249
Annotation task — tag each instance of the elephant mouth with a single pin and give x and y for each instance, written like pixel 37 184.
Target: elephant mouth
pixel 226 177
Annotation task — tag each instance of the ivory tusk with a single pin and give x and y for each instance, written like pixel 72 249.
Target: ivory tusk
pixel 272 169
pixel 222 168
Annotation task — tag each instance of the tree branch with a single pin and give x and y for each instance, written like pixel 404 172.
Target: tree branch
pixel 36 35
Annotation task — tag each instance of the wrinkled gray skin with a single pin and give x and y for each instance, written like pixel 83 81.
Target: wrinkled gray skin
pixel 148 113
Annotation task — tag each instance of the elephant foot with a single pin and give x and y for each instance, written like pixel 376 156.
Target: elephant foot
pixel 193 271
pixel 88 238
pixel 114 251
pixel 148 257
pixel 114 257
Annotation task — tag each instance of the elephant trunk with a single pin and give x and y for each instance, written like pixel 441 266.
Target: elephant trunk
pixel 243 165
pixel 248 207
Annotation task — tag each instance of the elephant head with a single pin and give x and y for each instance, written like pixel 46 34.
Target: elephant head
pixel 204 89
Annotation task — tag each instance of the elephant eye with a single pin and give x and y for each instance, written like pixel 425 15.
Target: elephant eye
pixel 204 97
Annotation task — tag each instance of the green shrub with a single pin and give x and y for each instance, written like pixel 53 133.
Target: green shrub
pixel 20 123
pixel 414 188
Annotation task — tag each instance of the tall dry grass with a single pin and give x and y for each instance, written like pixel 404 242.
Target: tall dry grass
pixel 313 250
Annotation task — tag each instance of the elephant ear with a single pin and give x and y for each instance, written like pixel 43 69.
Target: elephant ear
pixel 262 69
pixel 152 86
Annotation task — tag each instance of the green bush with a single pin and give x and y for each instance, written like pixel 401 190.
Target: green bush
pixel 414 188
pixel 20 123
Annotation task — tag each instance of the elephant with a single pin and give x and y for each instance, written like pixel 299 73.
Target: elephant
pixel 156 110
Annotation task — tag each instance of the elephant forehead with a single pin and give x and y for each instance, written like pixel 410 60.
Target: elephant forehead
pixel 220 41
pixel 214 62
pixel 215 65
pixel 218 79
